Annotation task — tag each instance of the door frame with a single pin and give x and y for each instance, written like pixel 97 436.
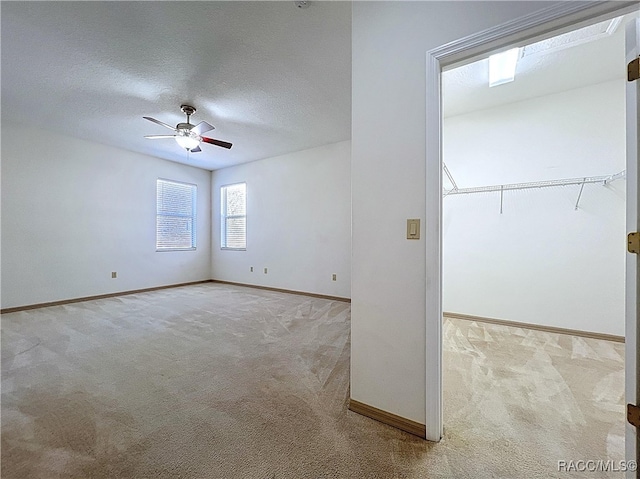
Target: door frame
pixel 632 280
pixel 548 22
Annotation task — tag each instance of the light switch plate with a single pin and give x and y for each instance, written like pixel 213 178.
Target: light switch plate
pixel 413 228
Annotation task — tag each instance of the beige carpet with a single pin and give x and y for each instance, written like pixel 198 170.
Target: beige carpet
pixel 218 381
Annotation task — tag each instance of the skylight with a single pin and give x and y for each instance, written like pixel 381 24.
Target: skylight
pixel 502 67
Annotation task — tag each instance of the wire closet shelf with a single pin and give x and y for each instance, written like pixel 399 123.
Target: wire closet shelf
pixel 604 180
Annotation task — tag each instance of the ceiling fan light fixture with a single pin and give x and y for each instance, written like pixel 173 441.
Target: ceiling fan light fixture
pixel 186 141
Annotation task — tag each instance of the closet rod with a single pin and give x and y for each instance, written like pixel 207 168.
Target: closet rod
pixel 537 184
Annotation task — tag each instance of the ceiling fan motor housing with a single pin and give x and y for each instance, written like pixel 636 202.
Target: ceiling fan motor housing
pixel 184 129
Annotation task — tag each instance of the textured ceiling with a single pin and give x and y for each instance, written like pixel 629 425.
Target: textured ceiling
pixel 466 89
pixel 270 77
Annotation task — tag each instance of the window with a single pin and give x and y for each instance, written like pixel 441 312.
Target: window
pixel 176 216
pixel 233 223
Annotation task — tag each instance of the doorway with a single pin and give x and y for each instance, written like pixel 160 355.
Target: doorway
pixel 532 317
pixel 551 22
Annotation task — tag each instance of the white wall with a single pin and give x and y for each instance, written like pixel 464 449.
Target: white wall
pixel 390 41
pixel 74 211
pixel 579 132
pixel 298 222
pixel 541 261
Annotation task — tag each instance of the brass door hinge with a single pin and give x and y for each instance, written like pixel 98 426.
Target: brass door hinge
pixel 633 243
pixel 633 70
pixel 633 414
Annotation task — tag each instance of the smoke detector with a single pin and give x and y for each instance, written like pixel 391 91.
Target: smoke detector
pixel 301 3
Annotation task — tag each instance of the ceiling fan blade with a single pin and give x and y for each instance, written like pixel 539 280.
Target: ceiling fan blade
pixel 201 127
pixel 195 150
pixel 159 122
pixel 213 141
pixel 158 137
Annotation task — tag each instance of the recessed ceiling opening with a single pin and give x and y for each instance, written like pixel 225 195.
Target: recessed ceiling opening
pixel 503 65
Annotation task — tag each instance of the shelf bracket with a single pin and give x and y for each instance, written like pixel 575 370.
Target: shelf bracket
pixel 580 194
pixel 450 176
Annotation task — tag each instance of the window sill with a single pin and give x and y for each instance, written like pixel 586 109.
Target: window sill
pixel 174 249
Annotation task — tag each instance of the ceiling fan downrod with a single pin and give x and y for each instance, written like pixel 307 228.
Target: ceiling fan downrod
pixel 188 110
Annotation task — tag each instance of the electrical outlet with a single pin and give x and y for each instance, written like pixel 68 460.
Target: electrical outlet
pixel 265 271
pixel 114 274
pixel 251 269
pixel 333 277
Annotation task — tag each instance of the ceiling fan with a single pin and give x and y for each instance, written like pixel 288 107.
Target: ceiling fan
pixel 188 136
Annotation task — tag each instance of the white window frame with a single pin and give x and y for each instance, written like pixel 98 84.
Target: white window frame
pixel 193 216
pixel 224 217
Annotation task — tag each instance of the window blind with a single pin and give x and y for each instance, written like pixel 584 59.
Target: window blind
pixel 176 215
pixel 234 216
